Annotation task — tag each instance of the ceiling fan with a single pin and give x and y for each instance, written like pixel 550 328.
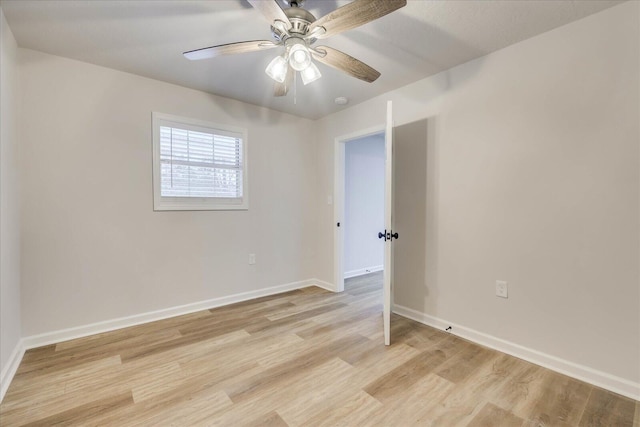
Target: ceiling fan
pixel 296 29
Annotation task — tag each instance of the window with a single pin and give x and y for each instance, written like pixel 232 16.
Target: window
pixel 198 165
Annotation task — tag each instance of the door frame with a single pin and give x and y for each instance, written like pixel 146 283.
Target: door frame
pixel 339 198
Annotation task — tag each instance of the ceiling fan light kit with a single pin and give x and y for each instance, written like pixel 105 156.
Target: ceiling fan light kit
pixel 299 56
pixel 310 74
pixel 277 69
pixel 296 29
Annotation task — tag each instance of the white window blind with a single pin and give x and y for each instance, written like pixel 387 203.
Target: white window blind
pixel 200 164
pixel 197 166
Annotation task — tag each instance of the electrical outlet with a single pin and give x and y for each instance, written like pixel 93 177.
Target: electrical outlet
pixel 252 259
pixel 502 289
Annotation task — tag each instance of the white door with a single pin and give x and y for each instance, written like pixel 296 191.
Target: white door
pixel 390 234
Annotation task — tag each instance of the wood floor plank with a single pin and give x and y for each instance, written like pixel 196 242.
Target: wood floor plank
pixel 39 353
pixel 414 405
pixel 82 414
pixel 372 328
pixel 297 410
pixel 272 419
pixel 263 351
pixel 461 365
pixel 57 393
pixel 351 317
pixel 289 370
pixel 415 334
pixel 370 367
pixel 277 298
pixel 605 408
pixel 177 343
pixel 308 357
pixel 199 400
pixel 127 337
pixel 492 415
pixel 236 319
pixel 255 307
pixel 42 404
pixel 520 389
pixel 301 306
pixel 362 289
pixel 353 410
pixel 56 363
pixel 559 401
pixel 148 384
pixel 388 386
pixel 347 387
pixel 469 396
pixel 274 394
pixel 191 412
pixel 262 326
pixel 58 381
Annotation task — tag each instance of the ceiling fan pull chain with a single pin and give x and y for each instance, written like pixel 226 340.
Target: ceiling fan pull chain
pixel 295 87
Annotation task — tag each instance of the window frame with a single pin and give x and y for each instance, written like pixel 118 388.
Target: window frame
pixel 165 203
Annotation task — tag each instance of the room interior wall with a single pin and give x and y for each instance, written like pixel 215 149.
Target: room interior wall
pixel 94 250
pixel 364 205
pixel 532 178
pixel 10 320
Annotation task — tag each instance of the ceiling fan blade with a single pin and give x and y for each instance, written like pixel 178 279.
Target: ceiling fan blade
pixel 354 14
pixel 230 48
pixel 271 11
pixel 281 89
pixel 346 63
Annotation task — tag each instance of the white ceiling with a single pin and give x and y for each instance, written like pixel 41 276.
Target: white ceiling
pixel 148 37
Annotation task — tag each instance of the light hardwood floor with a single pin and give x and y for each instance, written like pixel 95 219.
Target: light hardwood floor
pixel 303 358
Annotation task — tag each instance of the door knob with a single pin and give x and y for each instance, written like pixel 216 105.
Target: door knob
pixel 394 236
pixel 383 235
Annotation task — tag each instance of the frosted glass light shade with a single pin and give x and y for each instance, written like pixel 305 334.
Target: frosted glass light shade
pixel 277 69
pixel 299 57
pixel 310 74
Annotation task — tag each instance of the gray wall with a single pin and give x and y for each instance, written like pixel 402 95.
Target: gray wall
pixel 10 319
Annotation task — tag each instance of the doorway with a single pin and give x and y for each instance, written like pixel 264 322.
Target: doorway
pixel 363 205
pixel 359 204
pixel 405 268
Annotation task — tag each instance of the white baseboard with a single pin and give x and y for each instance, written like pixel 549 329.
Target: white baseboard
pixel 138 319
pixel 584 373
pixel 11 367
pixel 324 285
pixel 362 271
pixel 54 337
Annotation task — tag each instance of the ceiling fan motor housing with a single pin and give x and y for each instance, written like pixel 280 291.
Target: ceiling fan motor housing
pixel 294 3
pixel 300 20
